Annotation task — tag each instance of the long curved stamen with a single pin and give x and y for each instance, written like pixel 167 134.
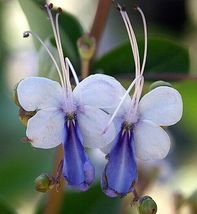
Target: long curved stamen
pixel 58 43
pixel 121 102
pixel 134 42
pixel 64 69
pixel 27 33
pixel 132 39
pixel 145 38
pixel 72 70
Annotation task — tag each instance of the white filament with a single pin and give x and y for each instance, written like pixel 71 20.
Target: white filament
pixel 50 54
pixel 72 70
pixel 145 39
pixel 121 102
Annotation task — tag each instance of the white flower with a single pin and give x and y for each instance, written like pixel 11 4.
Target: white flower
pixel 73 118
pixel 138 124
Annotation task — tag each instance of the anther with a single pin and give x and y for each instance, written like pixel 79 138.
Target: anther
pixel 116 5
pixel 135 7
pixel 123 8
pixel 25 34
pixel 50 6
pixel 59 10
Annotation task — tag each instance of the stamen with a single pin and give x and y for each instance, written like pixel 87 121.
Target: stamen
pixel 64 70
pixel 145 38
pixel 59 10
pixel 50 6
pixel 121 102
pixel 72 70
pixel 27 33
pixel 134 43
pixel 58 43
pixel 132 39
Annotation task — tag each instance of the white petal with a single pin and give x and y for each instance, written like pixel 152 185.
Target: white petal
pixel 46 129
pixel 92 122
pixel 151 141
pixel 163 106
pixel 38 93
pixel 101 91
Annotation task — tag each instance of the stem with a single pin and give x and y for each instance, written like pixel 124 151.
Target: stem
pixel 100 19
pixel 85 65
pixel 55 199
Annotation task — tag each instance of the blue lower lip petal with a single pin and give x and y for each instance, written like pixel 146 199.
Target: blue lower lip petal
pixel 120 172
pixel 77 169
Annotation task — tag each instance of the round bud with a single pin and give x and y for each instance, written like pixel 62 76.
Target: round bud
pixel 147 205
pixel 24 116
pixel 86 46
pixel 42 183
pixel 158 84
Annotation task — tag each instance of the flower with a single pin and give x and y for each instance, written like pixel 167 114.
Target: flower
pixel 73 118
pixel 138 123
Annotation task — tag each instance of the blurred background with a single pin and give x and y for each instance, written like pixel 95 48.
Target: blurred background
pixel 172 56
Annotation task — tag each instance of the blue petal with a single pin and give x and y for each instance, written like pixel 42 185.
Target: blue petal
pixel 77 169
pixel 120 172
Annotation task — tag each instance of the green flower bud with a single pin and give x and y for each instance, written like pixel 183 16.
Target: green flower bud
pixel 147 205
pixel 24 116
pixel 159 83
pixel 86 46
pixel 42 183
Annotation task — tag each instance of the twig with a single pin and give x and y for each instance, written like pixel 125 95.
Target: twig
pixel 100 19
pixel 55 199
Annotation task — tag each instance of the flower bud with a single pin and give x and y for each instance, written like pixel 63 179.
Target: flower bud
pixel 147 205
pixel 86 46
pixel 159 83
pixel 43 183
pixel 24 116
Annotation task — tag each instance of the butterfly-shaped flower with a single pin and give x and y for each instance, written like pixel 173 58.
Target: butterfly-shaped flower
pixel 138 124
pixel 65 116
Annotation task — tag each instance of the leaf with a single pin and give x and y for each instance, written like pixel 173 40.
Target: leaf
pixel 163 56
pixel 5 208
pixel 36 18
pixel 70 29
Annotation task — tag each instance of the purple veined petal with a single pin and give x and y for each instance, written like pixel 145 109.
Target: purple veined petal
pixel 77 169
pixel 120 172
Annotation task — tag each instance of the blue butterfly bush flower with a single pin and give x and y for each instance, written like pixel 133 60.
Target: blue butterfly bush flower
pixel 73 118
pixel 138 122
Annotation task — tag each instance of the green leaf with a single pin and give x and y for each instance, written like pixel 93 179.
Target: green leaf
pixel 163 56
pixel 70 29
pixel 36 18
pixel 5 208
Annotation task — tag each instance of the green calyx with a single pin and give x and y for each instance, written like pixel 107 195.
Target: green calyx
pixel 44 183
pixel 86 46
pixel 147 205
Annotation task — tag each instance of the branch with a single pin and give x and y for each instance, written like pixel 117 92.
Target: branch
pixel 100 19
